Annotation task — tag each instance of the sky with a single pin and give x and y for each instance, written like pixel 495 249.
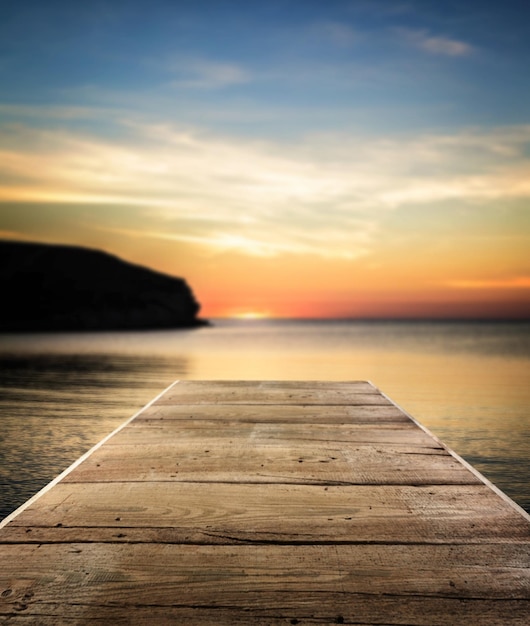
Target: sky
pixel 288 158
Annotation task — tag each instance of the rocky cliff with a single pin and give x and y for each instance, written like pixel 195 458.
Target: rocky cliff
pixel 55 287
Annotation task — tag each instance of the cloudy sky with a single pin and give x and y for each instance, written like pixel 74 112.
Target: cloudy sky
pixel 288 157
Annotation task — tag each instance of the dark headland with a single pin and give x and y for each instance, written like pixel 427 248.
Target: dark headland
pixel 68 288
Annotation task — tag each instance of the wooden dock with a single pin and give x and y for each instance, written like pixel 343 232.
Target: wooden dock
pixel 227 502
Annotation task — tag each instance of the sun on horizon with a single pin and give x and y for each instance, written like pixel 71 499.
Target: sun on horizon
pixel 250 315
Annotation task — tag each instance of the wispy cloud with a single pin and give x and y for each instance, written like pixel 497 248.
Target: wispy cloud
pixel 207 74
pixel 327 196
pixel 436 44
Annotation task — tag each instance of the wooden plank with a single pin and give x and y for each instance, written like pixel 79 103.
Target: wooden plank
pixel 231 513
pixel 251 459
pixel 219 392
pixel 288 413
pixel 295 582
pixel 246 386
pixel 277 609
pixel 216 573
pixel 154 431
pixel 182 536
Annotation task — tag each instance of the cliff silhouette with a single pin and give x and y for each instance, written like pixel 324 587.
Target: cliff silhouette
pixel 48 287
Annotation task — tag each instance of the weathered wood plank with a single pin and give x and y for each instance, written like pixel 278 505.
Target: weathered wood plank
pixel 144 571
pixel 154 431
pixel 251 459
pixel 218 392
pixel 354 386
pixel 283 609
pixel 231 584
pixel 308 414
pixel 182 536
pixel 299 559
pixel 209 512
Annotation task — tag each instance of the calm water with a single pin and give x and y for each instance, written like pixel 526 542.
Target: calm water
pixel 468 383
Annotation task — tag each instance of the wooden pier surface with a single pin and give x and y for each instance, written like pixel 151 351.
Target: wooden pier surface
pixel 227 502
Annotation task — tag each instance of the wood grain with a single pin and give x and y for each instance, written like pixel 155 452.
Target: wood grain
pixel 268 392
pixel 253 460
pixel 276 413
pixel 263 502
pixel 208 512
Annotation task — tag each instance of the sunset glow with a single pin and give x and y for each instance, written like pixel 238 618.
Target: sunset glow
pixel 249 315
pixel 300 159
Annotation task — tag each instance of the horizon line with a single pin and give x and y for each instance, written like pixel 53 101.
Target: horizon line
pixel 346 318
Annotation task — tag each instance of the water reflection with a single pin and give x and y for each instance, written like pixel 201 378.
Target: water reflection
pixel 55 407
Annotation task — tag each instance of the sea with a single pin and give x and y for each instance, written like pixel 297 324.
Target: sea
pixel 467 382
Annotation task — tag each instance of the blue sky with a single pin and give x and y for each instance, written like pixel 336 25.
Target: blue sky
pixel 274 67
pixel 285 130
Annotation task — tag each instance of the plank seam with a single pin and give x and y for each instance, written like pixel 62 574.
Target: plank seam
pixel 307 482
pixel 233 541
pixel 284 404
